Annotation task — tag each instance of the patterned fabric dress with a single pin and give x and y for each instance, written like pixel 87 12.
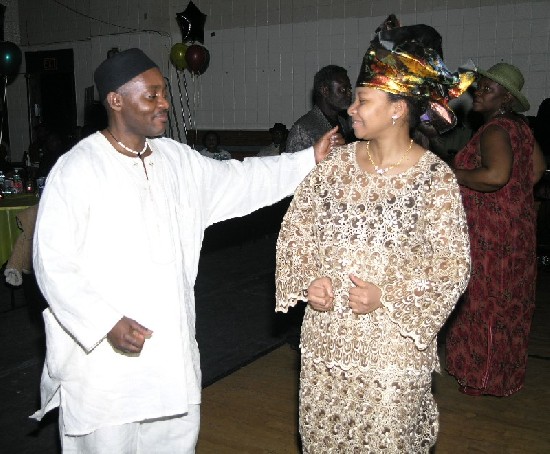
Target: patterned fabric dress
pixel 365 379
pixel 487 340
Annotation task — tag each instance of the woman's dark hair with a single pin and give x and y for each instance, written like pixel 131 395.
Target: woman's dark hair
pixel 416 107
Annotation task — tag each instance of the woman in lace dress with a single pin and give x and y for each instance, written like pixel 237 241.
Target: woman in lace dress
pixel 376 241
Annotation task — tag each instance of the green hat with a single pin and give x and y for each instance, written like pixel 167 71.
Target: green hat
pixel 510 78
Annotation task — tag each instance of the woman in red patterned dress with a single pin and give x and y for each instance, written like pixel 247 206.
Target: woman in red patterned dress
pixel 487 339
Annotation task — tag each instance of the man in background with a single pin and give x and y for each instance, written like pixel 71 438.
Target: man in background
pixel 277 146
pixel 331 97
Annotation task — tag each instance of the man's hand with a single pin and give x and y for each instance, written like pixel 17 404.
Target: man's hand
pixel 128 336
pixel 364 297
pixel 326 143
pixel 320 295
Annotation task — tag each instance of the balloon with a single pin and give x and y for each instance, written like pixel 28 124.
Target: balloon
pixel 10 58
pixel 191 23
pixel 177 56
pixel 197 58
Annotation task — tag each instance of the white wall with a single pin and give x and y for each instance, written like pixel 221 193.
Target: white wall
pixel 264 53
pixel 46 25
pixel 11 21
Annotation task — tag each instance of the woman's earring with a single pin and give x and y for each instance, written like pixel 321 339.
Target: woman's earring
pixel 394 119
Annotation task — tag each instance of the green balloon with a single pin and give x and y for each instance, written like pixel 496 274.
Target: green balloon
pixel 10 58
pixel 177 56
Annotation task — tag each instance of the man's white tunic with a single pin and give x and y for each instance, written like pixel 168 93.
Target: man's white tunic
pixel 114 239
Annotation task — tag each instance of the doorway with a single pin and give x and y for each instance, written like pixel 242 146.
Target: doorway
pixel 51 91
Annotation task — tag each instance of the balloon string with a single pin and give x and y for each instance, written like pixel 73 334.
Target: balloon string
pixel 3 108
pixel 173 110
pixel 170 131
pixel 191 120
pixel 182 106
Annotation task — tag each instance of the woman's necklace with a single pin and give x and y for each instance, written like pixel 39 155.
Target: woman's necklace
pixel 383 170
pixel 128 149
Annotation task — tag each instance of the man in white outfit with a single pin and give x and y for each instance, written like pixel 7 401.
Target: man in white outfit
pixel 117 245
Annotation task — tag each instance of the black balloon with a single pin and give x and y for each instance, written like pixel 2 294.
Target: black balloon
pixel 10 58
pixel 191 23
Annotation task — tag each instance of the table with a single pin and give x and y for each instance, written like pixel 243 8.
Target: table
pixel 10 205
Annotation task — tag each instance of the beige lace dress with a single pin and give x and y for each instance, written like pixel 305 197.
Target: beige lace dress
pixel 365 379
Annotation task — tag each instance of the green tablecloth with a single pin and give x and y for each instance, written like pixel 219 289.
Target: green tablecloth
pixel 10 205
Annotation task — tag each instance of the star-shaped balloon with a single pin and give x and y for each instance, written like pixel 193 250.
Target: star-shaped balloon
pixel 191 23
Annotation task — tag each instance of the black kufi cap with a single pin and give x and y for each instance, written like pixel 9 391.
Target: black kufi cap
pixel 114 72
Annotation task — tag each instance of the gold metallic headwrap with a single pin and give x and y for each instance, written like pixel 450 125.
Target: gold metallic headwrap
pixel 406 61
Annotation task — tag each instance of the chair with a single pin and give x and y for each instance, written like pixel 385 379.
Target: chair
pixel 20 261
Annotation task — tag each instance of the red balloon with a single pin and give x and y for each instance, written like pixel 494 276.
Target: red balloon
pixel 197 58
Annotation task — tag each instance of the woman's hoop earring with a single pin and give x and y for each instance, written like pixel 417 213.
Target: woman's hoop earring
pixel 394 119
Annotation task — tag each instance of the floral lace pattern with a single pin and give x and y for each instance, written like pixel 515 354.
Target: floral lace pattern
pixel 407 234
pixel 348 412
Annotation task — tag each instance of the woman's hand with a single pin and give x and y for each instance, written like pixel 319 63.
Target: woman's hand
pixel 320 295
pixel 364 297
pixel 326 143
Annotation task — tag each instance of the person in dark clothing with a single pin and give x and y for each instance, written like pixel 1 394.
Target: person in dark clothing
pixel 54 147
pixel 331 98
pixel 541 127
